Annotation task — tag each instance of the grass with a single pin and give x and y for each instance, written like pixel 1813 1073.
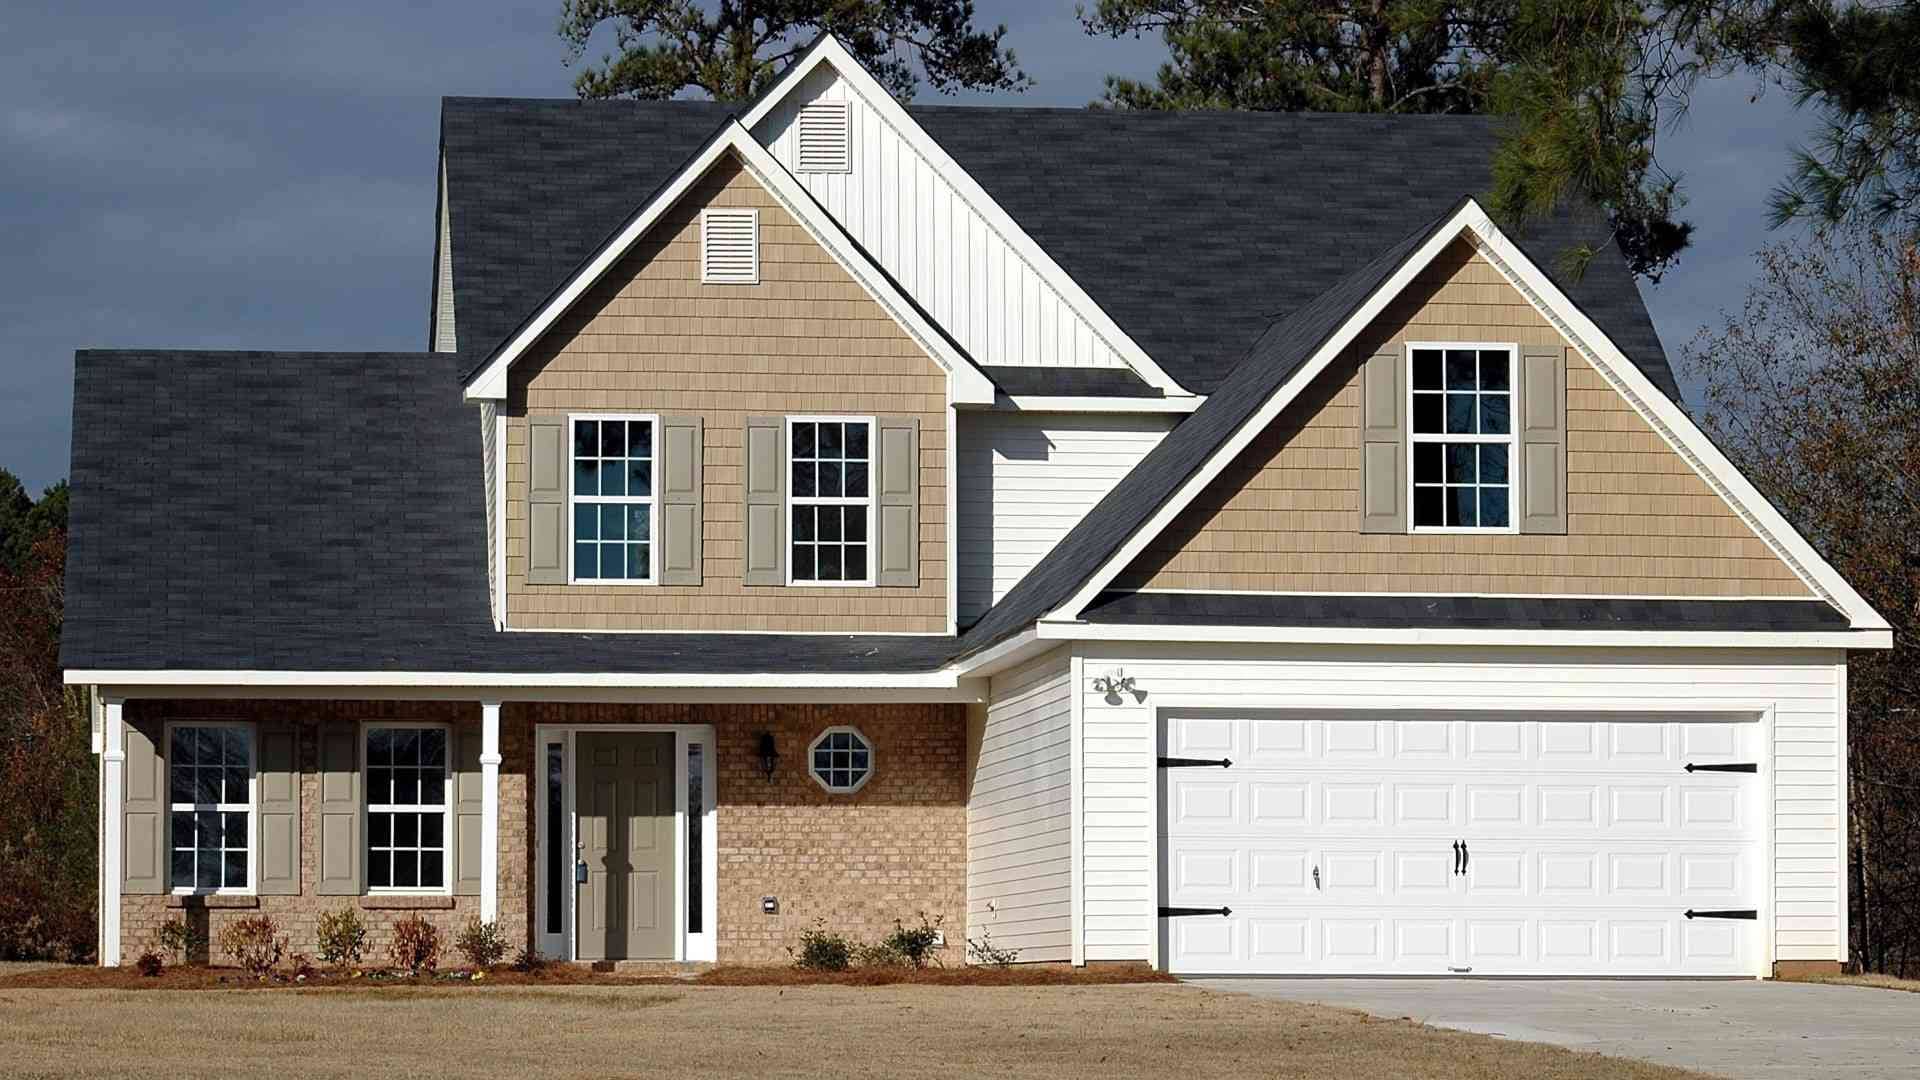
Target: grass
pixel 1877 982
pixel 1111 1032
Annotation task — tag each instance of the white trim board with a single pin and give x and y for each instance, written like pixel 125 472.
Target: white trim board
pixel 1069 630
pixel 1663 415
pixel 829 51
pixel 966 384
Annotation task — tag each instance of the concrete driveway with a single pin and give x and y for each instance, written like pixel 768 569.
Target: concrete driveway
pixel 1737 1029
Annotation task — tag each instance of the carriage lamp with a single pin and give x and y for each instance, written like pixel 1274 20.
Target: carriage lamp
pixel 769 755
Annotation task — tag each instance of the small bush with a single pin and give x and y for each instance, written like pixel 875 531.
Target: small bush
pixel 149 964
pixel 416 946
pixel 181 941
pixel 822 950
pixel 482 943
pixel 984 951
pixel 254 943
pixel 342 937
pixel 301 965
pixel 877 954
pixel 915 945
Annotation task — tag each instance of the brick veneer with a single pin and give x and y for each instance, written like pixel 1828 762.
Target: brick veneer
pixel 860 861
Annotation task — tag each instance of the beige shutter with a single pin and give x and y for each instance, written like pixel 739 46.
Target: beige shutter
pixel 278 764
pixel 547 526
pixel 677 487
pixel 341 861
pixel 468 807
pixel 1543 440
pixel 764 550
pixel 896 502
pixel 1383 443
pixel 143 822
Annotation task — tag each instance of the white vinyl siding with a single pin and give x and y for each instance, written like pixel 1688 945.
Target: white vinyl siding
pixel 443 337
pixel 1802 689
pixel 917 226
pixel 490 467
pixel 1019 856
pixel 1026 479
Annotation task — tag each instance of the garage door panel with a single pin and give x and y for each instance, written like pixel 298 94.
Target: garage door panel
pixel 1585 842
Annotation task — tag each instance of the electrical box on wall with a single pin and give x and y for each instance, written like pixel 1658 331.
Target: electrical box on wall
pixel 770 905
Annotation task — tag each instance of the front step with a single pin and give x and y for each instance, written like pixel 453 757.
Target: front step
pixel 679 969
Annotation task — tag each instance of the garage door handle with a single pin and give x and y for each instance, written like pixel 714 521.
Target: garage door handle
pixel 1456 858
pixel 1466 857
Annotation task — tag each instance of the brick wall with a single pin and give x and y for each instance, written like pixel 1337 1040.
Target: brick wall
pixel 890 850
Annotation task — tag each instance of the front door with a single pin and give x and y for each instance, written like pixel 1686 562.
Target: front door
pixel 624 802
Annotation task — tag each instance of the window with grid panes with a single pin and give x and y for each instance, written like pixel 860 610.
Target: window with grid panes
pixel 407 808
pixel 210 804
pixel 830 492
pixel 1462 437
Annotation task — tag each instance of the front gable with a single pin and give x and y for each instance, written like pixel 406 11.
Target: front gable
pixel 650 337
pixel 1284 516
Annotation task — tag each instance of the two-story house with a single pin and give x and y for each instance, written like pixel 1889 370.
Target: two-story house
pixel 1204 539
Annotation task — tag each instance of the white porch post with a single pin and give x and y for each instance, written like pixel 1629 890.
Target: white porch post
pixel 489 810
pixel 113 780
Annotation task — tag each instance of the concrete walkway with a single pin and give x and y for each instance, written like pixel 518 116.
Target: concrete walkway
pixel 1735 1029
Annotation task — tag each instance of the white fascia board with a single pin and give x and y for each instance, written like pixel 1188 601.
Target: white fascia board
pixel 829 50
pixel 1667 418
pixel 1313 635
pixel 1014 650
pixel 1251 429
pixel 505 680
pixel 1044 403
pixel 1660 412
pixel 966 384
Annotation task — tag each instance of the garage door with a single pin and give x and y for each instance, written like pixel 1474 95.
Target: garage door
pixel 1556 845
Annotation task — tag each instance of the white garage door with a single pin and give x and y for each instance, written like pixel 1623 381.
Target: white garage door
pixel 1558 845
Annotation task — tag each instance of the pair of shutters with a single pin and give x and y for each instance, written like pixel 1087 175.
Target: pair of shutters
pixel 340 865
pixel 896 494
pixel 1540 501
pixel 677 493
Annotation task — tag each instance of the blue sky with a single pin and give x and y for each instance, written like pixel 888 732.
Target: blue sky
pixel 215 175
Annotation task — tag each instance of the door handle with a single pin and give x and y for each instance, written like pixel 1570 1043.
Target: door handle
pixel 1316 879
pixel 1456 858
pixel 1466 857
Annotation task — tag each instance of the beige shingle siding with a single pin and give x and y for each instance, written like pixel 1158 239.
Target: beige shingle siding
pixel 806 339
pixel 1284 516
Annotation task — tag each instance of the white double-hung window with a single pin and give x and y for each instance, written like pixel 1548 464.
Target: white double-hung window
pixel 613 499
pixel 830 500
pixel 210 803
pixel 1461 437
pixel 408 808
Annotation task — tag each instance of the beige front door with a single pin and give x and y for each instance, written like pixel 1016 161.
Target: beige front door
pixel 624 801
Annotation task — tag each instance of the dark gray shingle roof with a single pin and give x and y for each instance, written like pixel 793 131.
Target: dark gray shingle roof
pixel 1463 612
pixel 1193 231
pixel 324 512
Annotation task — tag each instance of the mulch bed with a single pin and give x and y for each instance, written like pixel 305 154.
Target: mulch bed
pixel 227 978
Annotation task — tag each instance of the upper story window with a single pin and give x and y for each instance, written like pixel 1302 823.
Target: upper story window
pixel 1462 436
pixel 210 804
pixel 407 809
pixel 830 497
pixel 613 502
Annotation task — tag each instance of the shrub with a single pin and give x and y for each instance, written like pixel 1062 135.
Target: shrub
pixel 915 945
pixel 984 951
pixel 822 950
pixel 302 965
pixel 877 954
pixel 482 943
pixel 149 964
pixel 416 946
pixel 342 937
pixel 181 941
pixel 254 943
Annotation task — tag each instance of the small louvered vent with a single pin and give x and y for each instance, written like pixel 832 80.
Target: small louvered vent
pixel 730 247
pixel 823 138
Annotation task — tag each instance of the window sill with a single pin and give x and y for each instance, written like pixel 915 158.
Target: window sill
pixel 212 902
pixel 406 903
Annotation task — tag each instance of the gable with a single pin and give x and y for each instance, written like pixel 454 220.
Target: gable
pixel 650 337
pixel 1284 515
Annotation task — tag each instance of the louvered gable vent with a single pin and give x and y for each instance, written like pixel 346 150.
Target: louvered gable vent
pixel 823 138
pixel 730 247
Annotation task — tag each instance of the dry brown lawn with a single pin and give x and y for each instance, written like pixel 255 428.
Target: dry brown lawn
pixel 1099 1032
pixel 1878 982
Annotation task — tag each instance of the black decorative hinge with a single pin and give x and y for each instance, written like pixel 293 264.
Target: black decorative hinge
pixel 1176 912
pixel 1741 913
pixel 1737 766
pixel 1194 762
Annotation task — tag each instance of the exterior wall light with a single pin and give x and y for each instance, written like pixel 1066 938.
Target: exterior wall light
pixel 769 755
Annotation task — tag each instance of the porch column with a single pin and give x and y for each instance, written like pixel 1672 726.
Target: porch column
pixel 489 810
pixel 113 782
